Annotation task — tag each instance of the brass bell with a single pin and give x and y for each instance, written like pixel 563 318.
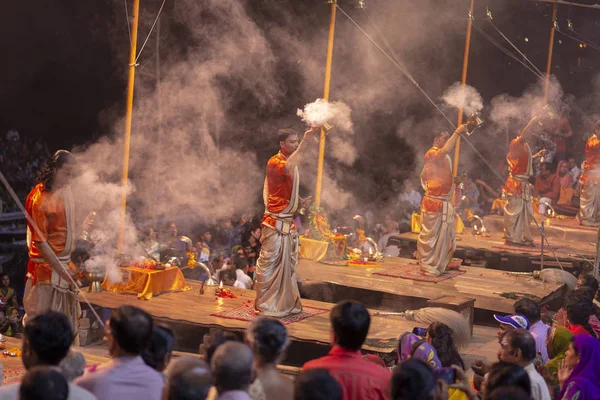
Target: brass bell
pixel 473 122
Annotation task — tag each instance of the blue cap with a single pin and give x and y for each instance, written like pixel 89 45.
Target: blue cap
pixel 517 321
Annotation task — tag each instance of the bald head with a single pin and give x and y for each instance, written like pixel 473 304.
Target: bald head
pixel 232 367
pixel 188 378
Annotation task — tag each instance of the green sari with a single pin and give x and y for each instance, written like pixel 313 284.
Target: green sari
pixel 559 344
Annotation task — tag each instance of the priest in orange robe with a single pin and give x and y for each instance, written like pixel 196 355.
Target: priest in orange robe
pixel 590 187
pixel 518 211
pixel 51 240
pixel 436 242
pixel 277 293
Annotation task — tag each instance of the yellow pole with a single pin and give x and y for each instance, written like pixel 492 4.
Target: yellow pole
pixel 463 83
pixel 550 48
pixel 128 118
pixel 326 97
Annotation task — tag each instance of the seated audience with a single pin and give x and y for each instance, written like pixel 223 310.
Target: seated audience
pixel 579 373
pixel 316 384
pixel 231 367
pixel 414 380
pixel 241 273
pixel 8 297
pixel 405 344
pixel 229 278
pixel 47 339
pixel 213 340
pixel 506 375
pixel 558 342
pixel 441 337
pixel 508 393
pixel 16 322
pixel 518 347
pixel 538 329
pixel 128 333
pixel 546 187
pixel 578 310
pixel 188 378
pixel 44 383
pixel 73 365
pixel 158 353
pixel 565 181
pixel 268 340
pixel 358 378
pixel 510 322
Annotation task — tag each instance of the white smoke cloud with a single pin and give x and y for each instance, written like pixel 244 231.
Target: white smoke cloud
pixel 322 112
pixel 467 98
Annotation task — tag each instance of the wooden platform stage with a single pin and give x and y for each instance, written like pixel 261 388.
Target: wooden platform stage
pixel 484 285
pixel 189 313
pixel 491 252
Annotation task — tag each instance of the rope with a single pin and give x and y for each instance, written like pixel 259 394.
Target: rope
pixel 402 69
pixel 128 23
pixel 515 47
pixel 150 33
pixel 593 46
pixel 505 51
pixel 39 233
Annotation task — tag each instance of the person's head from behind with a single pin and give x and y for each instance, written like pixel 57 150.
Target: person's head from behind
pixel 158 354
pixel 241 264
pixel 228 277
pixel 413 380
pixel 268 339
pixel 508 393
pixel 588 280
pixel 505 374
pixel 440 138
pixel 231 367
pixel 188 378
pixel 579 307
pixel 350 322
pixel 128 331
pixel 46 339
pixel 517 347
pixel 441 337
pixel 213 340
pixel 316 384
pixel 72 366
pixel 288 141
pixel 530 309
pixel 44 383
pixel 57 171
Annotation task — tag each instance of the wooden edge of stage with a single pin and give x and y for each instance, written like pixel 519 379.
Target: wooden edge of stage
pixel 482 284
pixel 190 307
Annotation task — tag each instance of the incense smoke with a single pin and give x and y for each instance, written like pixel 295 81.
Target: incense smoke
pixel 467 98
pixel 322 112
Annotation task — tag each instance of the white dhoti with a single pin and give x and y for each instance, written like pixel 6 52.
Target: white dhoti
pixel 437 241
pixel 518 213
pixel 40 298
pixel 589 204
pixel 277 293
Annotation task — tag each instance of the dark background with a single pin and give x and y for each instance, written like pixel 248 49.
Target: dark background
pixel 64 67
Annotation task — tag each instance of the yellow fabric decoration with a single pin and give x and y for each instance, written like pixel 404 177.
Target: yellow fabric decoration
pixel 415 223
pixel 312 249
pixel 146 282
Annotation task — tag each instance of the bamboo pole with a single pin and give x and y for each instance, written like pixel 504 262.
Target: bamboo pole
pixel 550 49
pixel 128 119
pixel 463 82
pixel 326 97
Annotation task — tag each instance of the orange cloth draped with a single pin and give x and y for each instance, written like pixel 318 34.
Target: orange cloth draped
pixel 280 185
pixel 592 158
pixel 311 249
pixel 518 161
pixel 146 283
pixel 437 175
pixel 48 212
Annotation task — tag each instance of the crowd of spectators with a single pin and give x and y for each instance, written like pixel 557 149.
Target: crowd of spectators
pixel 537 360
pixel 20 161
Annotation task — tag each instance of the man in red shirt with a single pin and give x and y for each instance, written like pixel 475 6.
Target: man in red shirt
pixel 359 378
pixel 277 293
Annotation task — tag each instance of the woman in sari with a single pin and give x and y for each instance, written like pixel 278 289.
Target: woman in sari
pixel 558 340
pixel 579 372
pixel 405 344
